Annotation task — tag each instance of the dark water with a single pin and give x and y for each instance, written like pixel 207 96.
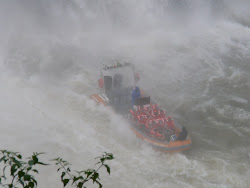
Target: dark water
pixel 193 58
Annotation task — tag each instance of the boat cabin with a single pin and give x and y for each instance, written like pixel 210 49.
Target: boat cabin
pixel 119 82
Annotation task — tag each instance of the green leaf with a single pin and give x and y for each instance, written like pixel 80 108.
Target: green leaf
pixel 95 176
pixel 63 174
pixel 56 159
pixel 31 162
pixel 13 169
pixel 88 173
pixel 34 181
pixel 40 163
pixel 18 163
pixel 35 159
pixel 31 184
pixel 100 185
pixel 20 174
pixel 3 158
pixel 29 168
pixel 108 168
pixel 80 184
pixel 109 156
pixel 19 156
pixel 102 160
pixel 26 177
pixel 35 170
pixel 65 182
pixel 76 179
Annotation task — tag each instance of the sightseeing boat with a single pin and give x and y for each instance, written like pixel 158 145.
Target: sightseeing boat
pixel 150 123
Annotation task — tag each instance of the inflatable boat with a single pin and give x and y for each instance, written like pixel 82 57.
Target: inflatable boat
pixel 149 122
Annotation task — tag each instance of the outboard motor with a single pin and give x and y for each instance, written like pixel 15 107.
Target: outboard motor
pixel 183 134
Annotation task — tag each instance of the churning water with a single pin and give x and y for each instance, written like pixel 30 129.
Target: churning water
pixel 193 57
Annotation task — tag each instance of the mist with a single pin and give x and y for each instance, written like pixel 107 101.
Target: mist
pixel 192 56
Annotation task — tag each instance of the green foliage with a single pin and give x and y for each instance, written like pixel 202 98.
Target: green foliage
pixel 81 177
pixel 17 172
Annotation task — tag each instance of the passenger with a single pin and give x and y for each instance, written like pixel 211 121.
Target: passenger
pixel 160 134
pixel 162 114
pixel 170 123
pixel 145 119
pixel 160 124
pixel 135 108
pixel 156 108
pixel 133 112
pixel 155 115
pixel 138 109
pixel 151 112
pixel 154 124
pixel 148 126
pixel 153 106
pixel 146 109
pixel 142 111
pixel 148 117
pixel 167 133
pixel 136 93
pixel 140 122
pixel 165 124
pixel 153 132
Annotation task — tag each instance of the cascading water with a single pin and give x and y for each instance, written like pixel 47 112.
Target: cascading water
pixel 193 57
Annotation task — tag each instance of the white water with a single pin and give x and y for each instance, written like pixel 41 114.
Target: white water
pixel 192 57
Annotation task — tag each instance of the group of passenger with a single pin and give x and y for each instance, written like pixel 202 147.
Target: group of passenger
pixel 153 121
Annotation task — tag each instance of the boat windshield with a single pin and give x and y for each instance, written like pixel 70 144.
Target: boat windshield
pixel 123 77
pixel 119 82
